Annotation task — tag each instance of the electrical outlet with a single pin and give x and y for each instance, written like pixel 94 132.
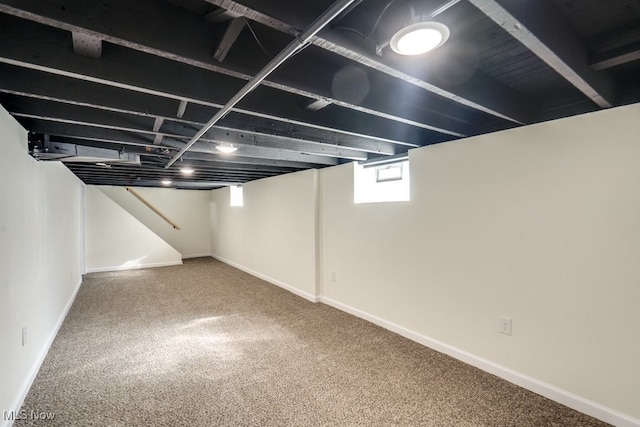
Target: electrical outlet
pixel 24 336
pixel 333 276
pixel 504 325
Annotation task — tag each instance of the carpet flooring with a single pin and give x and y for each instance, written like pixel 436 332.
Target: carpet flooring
pixel 205 344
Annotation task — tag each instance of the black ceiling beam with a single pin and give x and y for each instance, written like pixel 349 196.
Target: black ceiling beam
pixel 615 57
pixel 130 138
pixel 380 91
pixel 187 40
pixel 152 75
pixel 479 92
pixel 44 86
pixel 116 135
pixel 154 173
pixel 160 127
pixel 542 29
pixel 292 166
pixel 234 28
pixel 209 162
pixel 103 174
pixel 158 160
pixel 123 181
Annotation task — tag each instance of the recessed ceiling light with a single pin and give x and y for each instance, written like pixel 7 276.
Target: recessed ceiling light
pixel 419 38
pixel 187 170
pixel 225 147
pixel 166 182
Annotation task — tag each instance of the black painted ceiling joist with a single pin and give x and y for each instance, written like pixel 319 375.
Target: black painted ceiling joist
pixel 147 89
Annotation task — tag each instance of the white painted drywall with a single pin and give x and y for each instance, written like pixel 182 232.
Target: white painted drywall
pixel 539 223
pixel 273 234
pixel 189 209
pixel 116 240
pixel 40 258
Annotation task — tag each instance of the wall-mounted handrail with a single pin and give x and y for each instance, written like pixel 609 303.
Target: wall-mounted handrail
pixel 153 208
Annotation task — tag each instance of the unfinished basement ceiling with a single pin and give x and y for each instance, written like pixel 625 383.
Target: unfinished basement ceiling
pixel 117 88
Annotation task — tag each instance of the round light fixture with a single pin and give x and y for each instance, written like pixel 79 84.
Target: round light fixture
pixel 186 170
pixel 166 182
pixel 419 38
pixel 226 147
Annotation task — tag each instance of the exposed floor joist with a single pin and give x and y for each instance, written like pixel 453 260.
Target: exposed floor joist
pixel 237 167
pixel 55 111
pixel 92 74
pixel 230 35
pixel 49 87
pixel 126 69
pixel 183 49
pixel 481 92
pixel 59 127
pixel 619 56
pixel 87 45
pixel 544 32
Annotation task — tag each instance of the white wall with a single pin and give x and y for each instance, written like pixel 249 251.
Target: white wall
pixel 40 258
pixel 273 234
pixel 116 240
pixel 189 209
pixel 539 223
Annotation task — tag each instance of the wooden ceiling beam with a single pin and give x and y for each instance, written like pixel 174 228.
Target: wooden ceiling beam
pixel 188 43
pixel 542 29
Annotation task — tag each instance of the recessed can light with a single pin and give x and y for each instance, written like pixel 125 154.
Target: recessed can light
pixel 419 38
pixel 226 148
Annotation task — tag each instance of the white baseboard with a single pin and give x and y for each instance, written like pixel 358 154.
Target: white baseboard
pixel 133 267
pixel 196 255
pixel 271 280
pixel 31 376
pixel 549 391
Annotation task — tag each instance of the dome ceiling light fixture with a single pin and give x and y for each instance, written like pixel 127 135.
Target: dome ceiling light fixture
pixel 226 147
pixel 419 38
pixel 420 35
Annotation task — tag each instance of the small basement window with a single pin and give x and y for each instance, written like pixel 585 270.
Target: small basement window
pixel 389 173
pixel 382 183
pixel 236 196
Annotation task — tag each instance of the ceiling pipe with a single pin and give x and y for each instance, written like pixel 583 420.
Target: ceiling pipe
pixel 298 43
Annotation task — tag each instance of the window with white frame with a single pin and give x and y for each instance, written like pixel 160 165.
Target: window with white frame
pixel 381 183
pixel 236 198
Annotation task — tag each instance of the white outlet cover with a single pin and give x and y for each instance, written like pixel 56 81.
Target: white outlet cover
pixel 504 325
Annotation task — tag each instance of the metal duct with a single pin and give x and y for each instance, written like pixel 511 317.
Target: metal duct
pixel 64 152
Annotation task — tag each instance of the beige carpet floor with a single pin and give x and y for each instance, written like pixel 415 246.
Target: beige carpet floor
pixel 204 344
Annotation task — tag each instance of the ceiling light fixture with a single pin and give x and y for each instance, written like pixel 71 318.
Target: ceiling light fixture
pixel 187 170
pixel 166 182
pixel 419 38
pixel 225 147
